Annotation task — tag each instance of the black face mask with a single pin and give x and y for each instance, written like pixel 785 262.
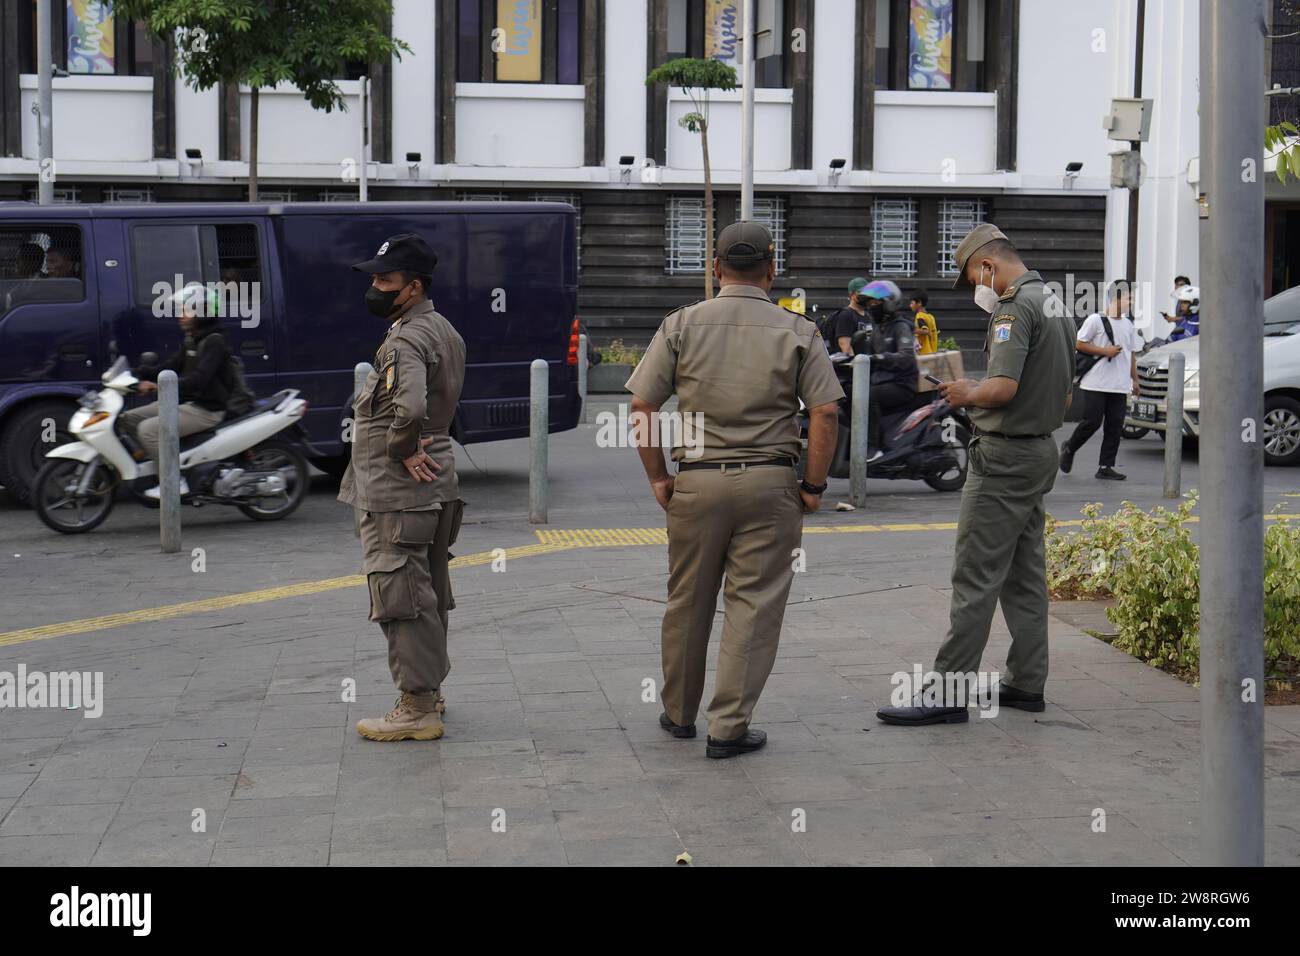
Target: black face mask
pixel 381 304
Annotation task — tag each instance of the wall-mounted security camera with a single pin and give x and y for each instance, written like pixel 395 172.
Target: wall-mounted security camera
pixel 413 165
pixel 194 159
pixel 1071 174
pixel 625 169
pixel 837 167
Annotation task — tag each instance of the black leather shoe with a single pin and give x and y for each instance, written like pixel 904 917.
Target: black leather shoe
pixel 1067 458
pixel 1008 696
pixel 918 715
pixel 1110 474
pixel 750 740
pixel 677 730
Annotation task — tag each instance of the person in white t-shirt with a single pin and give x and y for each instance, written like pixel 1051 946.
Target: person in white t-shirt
pixel 1106 386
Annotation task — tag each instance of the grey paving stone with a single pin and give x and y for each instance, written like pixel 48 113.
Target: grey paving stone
pixel 274 831
pixel 47 850
pixel 277 780
pixel 56 820
pixel 290 855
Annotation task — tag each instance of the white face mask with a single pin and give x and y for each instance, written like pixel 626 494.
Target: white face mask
pixel 985 297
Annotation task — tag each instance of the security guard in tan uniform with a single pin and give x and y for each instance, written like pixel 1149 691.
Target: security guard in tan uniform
pixel 402 481
pixel 1013 459
pixel 739 365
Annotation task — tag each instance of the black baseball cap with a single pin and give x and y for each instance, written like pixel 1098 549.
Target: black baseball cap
pixel 404 252
pixel 745 242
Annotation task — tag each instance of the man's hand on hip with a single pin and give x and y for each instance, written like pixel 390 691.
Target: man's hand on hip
pixel 420 466
pixel 663 489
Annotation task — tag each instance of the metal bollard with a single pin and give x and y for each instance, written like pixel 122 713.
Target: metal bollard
pixel 169 462
pixel 360 375
pixel 538 433
pixel 1174 425
pixel 582 379
pixel 861 410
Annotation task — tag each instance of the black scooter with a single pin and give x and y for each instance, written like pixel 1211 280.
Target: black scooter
pixel 924 440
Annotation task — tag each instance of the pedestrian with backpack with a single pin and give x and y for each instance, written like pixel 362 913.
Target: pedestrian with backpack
pixel 1106 370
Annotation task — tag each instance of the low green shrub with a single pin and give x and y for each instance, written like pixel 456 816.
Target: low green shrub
pixel 1149 564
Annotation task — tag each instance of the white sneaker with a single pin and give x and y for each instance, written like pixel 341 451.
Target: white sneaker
pixel 156 491
pixel 874 455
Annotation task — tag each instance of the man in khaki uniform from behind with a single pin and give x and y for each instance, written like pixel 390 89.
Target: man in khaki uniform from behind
pixel 742 364
pixel 402 481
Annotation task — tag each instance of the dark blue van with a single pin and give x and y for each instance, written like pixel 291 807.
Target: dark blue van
pixel 81 284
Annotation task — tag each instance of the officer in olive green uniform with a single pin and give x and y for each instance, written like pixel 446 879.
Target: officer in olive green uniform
pixel 1013 459
pixel 740 363
pixel 402 481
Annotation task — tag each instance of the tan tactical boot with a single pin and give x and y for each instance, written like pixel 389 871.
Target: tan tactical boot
pixel 403 722
pixel 439 702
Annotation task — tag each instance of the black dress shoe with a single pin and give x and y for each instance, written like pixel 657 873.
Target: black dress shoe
pixel 1110 474
pixel 1067 458
pixel 677 730
pixel 1008 696
pixel 749 740
pixel 918 715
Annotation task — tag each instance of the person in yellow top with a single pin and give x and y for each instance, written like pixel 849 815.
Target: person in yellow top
pixel 927 330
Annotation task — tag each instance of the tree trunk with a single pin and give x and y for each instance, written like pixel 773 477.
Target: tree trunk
pixel 708 212
pixel 252 148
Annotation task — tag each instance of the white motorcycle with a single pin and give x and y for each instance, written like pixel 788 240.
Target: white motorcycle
pixel 238 463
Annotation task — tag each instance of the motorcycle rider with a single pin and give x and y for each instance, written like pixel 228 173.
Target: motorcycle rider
pixel 201 365
pixel 891 343
pixel 1187 313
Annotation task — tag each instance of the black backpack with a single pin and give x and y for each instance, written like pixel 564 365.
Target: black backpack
pixel 240 399
pixel 1083 362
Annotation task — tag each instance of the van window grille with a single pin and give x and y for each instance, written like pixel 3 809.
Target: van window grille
pixel 31 256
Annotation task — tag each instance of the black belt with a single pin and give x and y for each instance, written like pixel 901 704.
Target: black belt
pixel 980 431
pixel 781 462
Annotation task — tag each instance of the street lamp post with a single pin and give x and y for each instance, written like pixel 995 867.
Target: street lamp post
pixel 1231 458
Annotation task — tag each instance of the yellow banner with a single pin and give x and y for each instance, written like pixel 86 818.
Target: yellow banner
pixel 518 41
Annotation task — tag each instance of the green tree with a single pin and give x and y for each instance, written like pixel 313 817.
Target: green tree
pixel 1278 142
pixel 697 78
pixel 265 42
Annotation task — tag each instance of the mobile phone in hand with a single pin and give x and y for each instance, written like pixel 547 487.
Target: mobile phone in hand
pixel 930 378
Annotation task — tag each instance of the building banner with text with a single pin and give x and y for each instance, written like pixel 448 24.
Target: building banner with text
pixel 518 44
pixel 722 28
pixel 929 60
pixel 90 36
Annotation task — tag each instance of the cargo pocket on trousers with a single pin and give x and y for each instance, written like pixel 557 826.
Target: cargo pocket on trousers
pixel 416 527
pixel 392 594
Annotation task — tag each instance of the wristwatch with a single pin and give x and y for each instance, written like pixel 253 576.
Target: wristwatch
pixel 813 489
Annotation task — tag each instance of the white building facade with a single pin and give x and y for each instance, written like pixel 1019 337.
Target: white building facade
pixel 884 130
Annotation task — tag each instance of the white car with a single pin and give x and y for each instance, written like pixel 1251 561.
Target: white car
pixel 1281 382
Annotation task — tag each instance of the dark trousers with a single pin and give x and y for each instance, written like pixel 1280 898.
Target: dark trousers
pixel 885 397
pixel 1099 407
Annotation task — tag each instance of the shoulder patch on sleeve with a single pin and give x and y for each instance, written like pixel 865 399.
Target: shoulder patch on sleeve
pixel 1002 333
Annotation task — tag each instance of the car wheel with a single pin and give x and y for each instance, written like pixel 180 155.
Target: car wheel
pixel 23 446
pixel 1281 430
